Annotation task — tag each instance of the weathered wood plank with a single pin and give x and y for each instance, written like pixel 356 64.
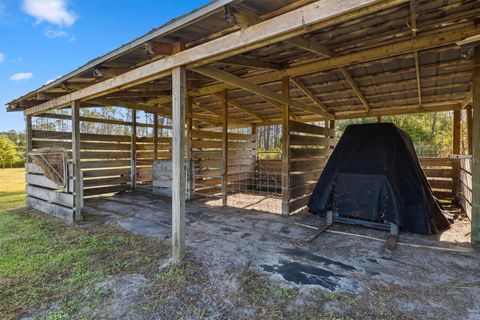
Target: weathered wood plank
pixel 52 209
pixel 104 190
pixel 106 173
pixel 301 127
pixel 61 198
pixel 296 140
pixel 41 181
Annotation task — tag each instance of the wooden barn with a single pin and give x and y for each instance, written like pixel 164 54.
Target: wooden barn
pixel 201 85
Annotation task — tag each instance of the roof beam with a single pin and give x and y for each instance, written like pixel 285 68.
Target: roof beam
pixel 246 19
pixel 317 15
pixel 251 87
pixel 391 50
pixel 311 95
pixel 251 62
pixel 355 88
pixel 240 107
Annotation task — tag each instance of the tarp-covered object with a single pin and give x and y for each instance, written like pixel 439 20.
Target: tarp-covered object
pixel 374 174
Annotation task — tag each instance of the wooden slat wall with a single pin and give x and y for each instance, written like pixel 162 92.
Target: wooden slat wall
pixel 440 174
pixel 46 196
pixel 207 161
pixel 310 148
pixel 465 188
pixel 241 167
pixel 105 158
pixel 145 155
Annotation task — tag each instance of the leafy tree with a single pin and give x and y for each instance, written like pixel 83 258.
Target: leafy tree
pixel 8 152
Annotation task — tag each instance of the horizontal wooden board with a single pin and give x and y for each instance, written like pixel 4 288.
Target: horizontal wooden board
pixel 297 153
pixel 109 181
pixel 104 164
pixel 297 140
pixel 57 135
pixel 52 209
pixel 301 127
pixel 298 203
pixel 440 173
pixel 441 184
pixel 52 196
pixel 41 181
pixel 104 155
pixel 435 162
pixel 302 190
pixel 104 190
pixel 203 134
pixel 303 178
pixel 307 165
pixel 106 172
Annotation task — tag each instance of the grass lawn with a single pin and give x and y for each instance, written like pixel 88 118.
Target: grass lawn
pixel 12 188
pixel 42 260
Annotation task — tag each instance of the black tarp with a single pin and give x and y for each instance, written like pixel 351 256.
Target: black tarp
pixel 374 174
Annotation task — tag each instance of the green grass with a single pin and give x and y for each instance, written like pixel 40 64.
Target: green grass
pixel 42 260
pixel 12 188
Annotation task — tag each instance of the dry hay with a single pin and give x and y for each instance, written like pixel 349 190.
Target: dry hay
pixel 51 161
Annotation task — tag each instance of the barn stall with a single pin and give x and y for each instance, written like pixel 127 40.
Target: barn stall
pixel 195 90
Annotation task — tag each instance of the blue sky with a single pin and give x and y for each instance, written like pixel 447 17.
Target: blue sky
pixel 41 40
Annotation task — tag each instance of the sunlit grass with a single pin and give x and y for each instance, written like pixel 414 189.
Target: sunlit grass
pixel 12 188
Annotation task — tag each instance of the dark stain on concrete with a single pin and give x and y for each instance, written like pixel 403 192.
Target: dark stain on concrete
pixel 299 273
pixel 245 235
pixel 228 230
pixel 285 230
pixel 296 252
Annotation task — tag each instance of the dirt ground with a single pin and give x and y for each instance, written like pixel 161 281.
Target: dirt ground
pixel 338 275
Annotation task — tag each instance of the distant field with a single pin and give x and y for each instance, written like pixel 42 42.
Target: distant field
pixel 12 188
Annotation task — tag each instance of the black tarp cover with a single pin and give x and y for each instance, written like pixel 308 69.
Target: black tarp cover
pixel 374 174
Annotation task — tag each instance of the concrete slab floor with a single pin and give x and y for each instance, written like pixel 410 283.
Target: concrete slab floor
pixel 417 280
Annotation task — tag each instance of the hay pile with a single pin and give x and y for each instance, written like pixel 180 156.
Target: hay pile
pixel 51 160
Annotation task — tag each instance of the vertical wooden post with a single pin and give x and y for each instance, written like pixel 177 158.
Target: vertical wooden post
pixel 469 130
pixel 28 136
pixel 188 147
pixel 456 151
pixel 379 119
pixel 225 148
pixel 332 126
pixel 476 147
pixel 178 168
pixel 133 151
pixel 77 174
pixel 155 136
pixel 285 149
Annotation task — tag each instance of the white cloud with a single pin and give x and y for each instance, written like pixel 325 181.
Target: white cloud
pixel 55 33
pixel 21 76
pixel 51 11
pixel 2 57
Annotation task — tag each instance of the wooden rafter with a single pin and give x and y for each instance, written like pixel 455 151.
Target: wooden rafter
pixel 240 107
pixel 289 25
pixel 251 87
pixel 355 88
pixel 311 96
pixel 413 26
pixel 390 50
pixel 246 19
pixel 252 62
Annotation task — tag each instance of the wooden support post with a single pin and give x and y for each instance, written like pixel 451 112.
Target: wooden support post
pixel 225 148
pixel 476 147
pixel 188 148
pixel 379 119
pixel 456 151
pixel 133 151
pixel 178 169
pixel 28 135
pixel 155 136
pixel 332 126
pixel 286 149
pixel 469 130
pixel 77 174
